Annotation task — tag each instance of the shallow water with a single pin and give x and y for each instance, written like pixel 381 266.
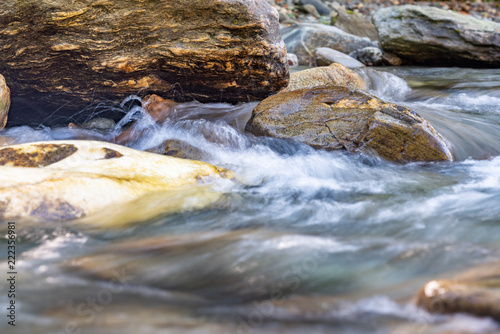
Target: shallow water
pixel 303 241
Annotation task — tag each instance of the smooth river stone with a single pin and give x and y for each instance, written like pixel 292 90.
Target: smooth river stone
pixel 106 183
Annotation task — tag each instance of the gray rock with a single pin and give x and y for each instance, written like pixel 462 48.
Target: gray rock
pixel 370 56
pixel 436 37
pixel 356 24
pixel 320 6
pixel 327 56
pixel 303 40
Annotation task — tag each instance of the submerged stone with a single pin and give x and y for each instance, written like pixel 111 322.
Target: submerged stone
pixel 64 180
pixel 476 292
pixel 337 117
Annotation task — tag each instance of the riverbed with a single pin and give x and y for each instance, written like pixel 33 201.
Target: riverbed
pixel 301 241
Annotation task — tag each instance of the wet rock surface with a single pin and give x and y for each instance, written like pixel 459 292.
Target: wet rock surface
pixel 336 117
pixel 476 292
pixel 64 180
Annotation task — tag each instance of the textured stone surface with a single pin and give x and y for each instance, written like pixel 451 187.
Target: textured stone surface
pixel 4 102
pixel 72 179
pixel 336 117
pixel 64 51
pixel 335 74
pixel 303 40
pixel 436 37
pixel 327 56
pixel 476 292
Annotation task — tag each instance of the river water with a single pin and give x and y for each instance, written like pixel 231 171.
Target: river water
pixel 303 241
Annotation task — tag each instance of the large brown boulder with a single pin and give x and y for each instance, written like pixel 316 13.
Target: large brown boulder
pixel 337 117
pixel 75 53
pixel 476 292
pixel 437 37
pixel 4 102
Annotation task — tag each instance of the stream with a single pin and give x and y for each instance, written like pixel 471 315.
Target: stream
pixel 304 241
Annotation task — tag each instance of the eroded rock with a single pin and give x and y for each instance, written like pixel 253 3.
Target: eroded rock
pixel 336 117
pixel 436 37
pixel 64 180
pixel 77 53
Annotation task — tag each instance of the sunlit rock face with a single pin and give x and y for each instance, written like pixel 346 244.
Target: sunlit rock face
pixel 4 102
pixel 476 292
pixel 436 37
pixel 87 51
pixel 335 74
pixel 62 180
pixel 337 117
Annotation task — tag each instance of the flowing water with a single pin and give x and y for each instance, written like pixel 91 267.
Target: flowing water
pixel 304 241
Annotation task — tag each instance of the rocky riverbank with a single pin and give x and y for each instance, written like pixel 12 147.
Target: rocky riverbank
pixel 482 9
pixel 66 63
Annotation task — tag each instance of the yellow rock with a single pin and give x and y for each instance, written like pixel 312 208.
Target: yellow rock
pixel 4 102
pixel 103 182
pixel 335 74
